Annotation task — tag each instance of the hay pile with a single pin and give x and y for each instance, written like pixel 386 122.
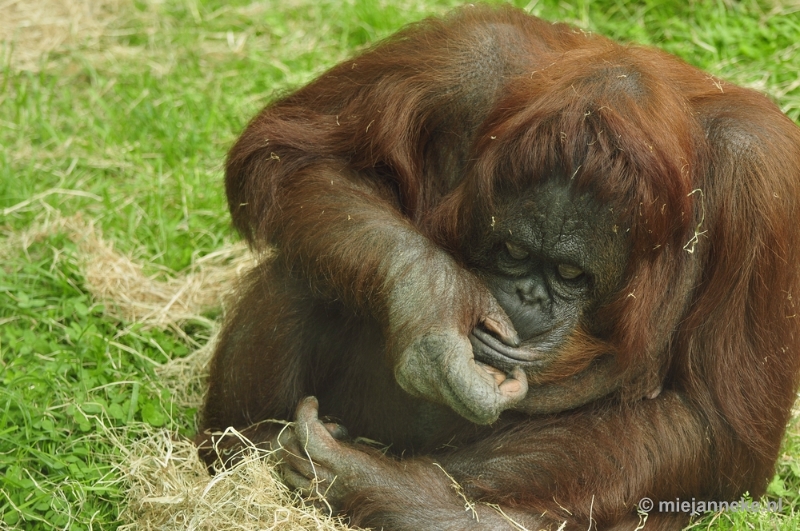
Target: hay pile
pixel 171 489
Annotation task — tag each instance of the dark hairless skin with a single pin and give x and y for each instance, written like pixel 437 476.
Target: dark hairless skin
pixel 554 274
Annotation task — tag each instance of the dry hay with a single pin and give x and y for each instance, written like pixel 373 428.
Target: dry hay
pixel 171 489
pixel 162 299
pixel 32 29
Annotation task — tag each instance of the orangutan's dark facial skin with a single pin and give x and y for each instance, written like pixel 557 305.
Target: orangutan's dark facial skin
pixel 555 256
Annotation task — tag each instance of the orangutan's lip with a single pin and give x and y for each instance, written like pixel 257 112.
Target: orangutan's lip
pixel 496 346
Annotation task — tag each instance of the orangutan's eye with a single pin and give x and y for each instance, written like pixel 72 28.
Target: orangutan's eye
pixel 569 272
pixel 516 252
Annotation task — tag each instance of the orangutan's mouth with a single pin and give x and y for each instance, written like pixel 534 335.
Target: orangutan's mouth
pixel 489 350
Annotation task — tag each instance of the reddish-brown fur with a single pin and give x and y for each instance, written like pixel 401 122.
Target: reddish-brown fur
pixel 414 137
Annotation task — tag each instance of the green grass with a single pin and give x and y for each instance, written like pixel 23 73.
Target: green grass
pixel 130 130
